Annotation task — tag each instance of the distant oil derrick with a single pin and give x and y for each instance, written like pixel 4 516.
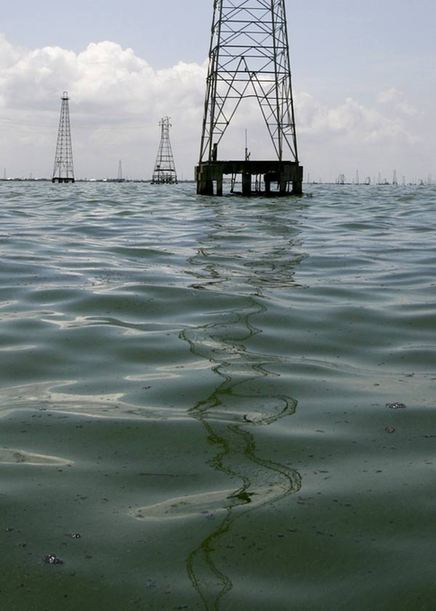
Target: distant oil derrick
pixel 120 177
pixel 249 58
pixel 165 168
pixel 63 166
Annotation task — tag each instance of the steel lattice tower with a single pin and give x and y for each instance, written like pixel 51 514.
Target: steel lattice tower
pixel 249 58
pixel 63 166
pixel 165 168
pixel 120 172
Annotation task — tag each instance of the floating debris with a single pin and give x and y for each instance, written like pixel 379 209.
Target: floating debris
pixel 150 584
pixel 52 559
pixel 390 429
pixel 396 405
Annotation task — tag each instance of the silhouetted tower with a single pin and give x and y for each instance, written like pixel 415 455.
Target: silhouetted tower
pixel 165 168
pixel 249 58
pixel 63 166
pixel 120 172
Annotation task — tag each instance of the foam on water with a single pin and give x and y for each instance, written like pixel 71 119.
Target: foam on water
pixel 21 457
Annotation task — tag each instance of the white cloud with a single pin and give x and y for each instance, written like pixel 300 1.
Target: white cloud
pixel 102 76
pixel 8 53
pixel 389 95
pixel 396 99
pixel 117 99
pixel 350 119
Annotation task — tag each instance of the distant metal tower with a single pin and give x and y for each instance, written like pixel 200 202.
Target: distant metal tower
pixel 63 166
pixel 165 168
pixel 120 172
pixel 249 58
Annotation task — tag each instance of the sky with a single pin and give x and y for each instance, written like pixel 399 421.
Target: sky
pixel 364 79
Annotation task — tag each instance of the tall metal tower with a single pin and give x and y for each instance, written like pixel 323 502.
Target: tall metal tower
pixel 165 168
pixel 249 58
pixel 120 172
pixel 63 166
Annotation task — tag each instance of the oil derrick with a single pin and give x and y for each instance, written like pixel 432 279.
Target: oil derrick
pixel 165 168
pixel 63 166
pixel 120 172
pixel 249 58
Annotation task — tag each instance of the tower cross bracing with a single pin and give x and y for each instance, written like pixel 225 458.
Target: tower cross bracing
pixel 63 170
pixel 249 60
pixel 165 168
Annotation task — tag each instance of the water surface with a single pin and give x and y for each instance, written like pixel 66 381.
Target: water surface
pixel 197 399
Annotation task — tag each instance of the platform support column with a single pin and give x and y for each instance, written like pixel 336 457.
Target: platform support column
pixel 283 183
pixel 219 185
pixel 246 184
pixel 297 183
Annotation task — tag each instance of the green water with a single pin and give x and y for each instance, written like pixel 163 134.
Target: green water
pixel 195 399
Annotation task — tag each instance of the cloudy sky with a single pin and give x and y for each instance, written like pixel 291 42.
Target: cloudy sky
pixel 364 84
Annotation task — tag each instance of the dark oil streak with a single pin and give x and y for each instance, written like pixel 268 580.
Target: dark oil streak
pixel 234 444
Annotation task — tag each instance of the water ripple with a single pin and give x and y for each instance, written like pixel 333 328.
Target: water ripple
pixel 199 385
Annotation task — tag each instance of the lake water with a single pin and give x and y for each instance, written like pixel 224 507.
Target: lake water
pixel 217 403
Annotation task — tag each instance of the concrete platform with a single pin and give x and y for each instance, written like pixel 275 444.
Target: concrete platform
pixel 287 176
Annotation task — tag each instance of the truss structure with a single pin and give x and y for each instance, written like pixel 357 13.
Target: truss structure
pixel 249 58
pixel 63 170
pixel 165 168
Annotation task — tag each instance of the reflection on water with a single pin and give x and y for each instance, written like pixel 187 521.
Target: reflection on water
pixel 245 396
pixel 152 346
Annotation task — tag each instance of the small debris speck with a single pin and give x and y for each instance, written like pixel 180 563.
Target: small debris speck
pixel 53 559
pixel 396 405
pixel 150 584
